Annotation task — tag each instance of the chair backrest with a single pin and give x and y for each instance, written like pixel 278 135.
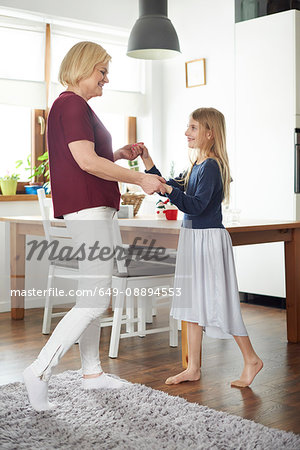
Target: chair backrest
pixel 117 242
pixel 136 255
pixel 53 228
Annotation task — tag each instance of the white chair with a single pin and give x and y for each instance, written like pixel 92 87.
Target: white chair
pixel 55 231
pixel 126 280
pixel 142 277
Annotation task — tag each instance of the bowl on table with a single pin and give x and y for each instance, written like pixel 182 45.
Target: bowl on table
pixel 171 214
pixel 32 189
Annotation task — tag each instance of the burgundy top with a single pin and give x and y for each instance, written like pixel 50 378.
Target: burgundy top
pixel 72 119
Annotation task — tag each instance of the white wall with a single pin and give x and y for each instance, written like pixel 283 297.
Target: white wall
pixel 206 30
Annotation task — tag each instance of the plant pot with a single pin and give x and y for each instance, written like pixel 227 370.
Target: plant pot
pixel 32 189
pixel 171 214
pixel 8 187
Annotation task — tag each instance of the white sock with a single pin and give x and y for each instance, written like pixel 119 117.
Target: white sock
pixel 104 381
pixel 37 390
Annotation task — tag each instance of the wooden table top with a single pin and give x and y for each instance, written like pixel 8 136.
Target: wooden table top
pixel 174 225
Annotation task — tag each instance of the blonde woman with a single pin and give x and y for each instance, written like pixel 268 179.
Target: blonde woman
pixel 206 292
pixel 85 193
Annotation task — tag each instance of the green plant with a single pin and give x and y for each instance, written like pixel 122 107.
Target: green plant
pixel 43 168
pixel 10 176
pixel 20 162
pixel 9 183
pixel 37 171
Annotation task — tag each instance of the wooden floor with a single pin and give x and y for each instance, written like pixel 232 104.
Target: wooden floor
pixel 273 400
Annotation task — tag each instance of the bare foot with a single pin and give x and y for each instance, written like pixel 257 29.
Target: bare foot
pixel 249 373
pixel 186 375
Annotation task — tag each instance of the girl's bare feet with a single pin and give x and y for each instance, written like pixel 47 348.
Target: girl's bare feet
pixel 186 375
pixel 249 373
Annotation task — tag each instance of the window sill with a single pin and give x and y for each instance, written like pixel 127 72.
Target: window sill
pixel 19 198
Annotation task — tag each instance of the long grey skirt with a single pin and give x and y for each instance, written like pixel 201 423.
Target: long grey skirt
pixel 205 286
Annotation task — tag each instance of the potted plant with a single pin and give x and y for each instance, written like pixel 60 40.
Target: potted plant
pixel 42 170
pixel 8 183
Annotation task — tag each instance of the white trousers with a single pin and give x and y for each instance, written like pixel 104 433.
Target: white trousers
pixel 92 228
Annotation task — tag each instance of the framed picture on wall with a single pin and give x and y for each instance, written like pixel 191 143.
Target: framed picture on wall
pixel 195 73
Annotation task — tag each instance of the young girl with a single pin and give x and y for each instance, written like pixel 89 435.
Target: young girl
pixel 205 271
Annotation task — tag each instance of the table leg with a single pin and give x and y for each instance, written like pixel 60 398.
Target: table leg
pixel 17 272
pixel 292 280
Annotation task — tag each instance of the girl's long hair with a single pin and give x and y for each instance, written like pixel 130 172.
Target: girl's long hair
pixel 213 120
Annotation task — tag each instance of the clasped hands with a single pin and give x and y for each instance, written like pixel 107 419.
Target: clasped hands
pixel 150 183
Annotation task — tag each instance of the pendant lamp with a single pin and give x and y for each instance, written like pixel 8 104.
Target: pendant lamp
pixel 153 35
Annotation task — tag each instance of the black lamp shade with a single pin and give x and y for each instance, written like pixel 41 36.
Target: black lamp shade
pixel 153 35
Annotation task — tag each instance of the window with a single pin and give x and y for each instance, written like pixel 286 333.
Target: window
pixel 15 138
pixel 22 56
pixel 23 87
pixel 125 74
pixel 60 45
pixel 115 124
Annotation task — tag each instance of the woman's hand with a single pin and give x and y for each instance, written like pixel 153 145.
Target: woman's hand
pixel 132 151
pixel 153 183
pixel 129 151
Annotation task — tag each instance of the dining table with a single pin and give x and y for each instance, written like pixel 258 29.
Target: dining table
pixel 165 233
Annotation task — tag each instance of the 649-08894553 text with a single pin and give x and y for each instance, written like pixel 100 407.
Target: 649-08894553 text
pixel 159 292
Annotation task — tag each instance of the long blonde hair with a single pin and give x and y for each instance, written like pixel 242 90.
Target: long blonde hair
pixel 213 120
pixel 80 62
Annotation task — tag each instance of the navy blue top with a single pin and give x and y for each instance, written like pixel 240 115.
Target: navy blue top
pixel 202 200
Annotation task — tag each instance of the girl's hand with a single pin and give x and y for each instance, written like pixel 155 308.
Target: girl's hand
pixel 168 189
pixel 130 151
pixel 145 152
pixel 146 158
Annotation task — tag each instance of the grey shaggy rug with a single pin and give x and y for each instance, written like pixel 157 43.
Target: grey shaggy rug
pixel 136 417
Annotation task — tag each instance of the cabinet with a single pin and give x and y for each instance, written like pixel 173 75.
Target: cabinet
pixel 267 101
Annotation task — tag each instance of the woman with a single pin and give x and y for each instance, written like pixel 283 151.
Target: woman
pixel 85 193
